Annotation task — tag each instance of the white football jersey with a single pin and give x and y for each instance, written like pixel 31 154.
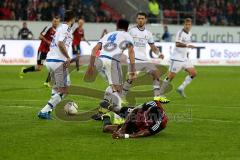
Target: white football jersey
pixel 141 38
pixel 114 43
pixel 64 34
pixel 179 53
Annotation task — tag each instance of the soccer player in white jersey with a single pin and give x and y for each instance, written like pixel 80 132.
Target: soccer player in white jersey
pixel 179 58
pixel 142 37
pixel 111 48
pixel 57 63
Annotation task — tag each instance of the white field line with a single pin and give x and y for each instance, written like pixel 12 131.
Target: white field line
pixel 233 106
pixel 15 106
pixel 181 120
pixel 237 106
pixel 22 100
pixel 215 120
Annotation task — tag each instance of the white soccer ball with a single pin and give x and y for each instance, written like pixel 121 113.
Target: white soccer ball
pixel 71 108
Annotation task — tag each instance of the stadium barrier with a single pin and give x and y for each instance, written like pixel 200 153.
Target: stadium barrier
pixel 93 31
pixel 23 52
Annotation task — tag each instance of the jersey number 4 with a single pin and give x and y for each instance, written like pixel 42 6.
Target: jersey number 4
pixel 112 37
pixel 3 50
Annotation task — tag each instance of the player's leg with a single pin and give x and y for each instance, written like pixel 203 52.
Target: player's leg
pixel 113 92
pixel 128 83
pixel 62 81
pixel 174 68
pixel 76 55
pixel 191 74
pixel 38 67
pixel 111 122
pixel 156 87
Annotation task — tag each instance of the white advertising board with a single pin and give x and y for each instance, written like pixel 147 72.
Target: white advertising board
pixel 16 52
pixel 93 31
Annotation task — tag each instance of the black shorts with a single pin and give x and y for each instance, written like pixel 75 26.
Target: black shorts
pixel 76 49
pixel 41 57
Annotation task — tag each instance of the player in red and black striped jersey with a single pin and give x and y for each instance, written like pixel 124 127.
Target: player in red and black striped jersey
pixel 46 37
pixel 78 36
pixel 142 121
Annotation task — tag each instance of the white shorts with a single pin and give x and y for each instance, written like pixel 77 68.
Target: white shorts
pixel 176 66
pixel 143 66
pixel 111 70
pixel 59 75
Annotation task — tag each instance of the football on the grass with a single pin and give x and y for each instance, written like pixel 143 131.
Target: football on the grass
pixel 71 108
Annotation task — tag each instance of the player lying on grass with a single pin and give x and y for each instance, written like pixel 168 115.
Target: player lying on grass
pixel 145 120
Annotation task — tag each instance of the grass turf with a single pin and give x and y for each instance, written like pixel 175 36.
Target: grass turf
pixel 204 126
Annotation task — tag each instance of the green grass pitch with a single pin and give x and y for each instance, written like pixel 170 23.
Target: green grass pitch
pixel 205 126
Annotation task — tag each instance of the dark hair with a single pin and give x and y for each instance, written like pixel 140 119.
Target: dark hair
pixel 122 24
pixel 187 20
pixel 56 17
pixel 142 14
pixel 68 15
pixel 154 114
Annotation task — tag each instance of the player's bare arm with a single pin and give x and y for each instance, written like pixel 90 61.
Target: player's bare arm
pixel 156 50
pixel 63 49
pixel 41 37
pixel 92 59
pixel 143 133
pixel 84 39
pixel 131 55
pixel 183 45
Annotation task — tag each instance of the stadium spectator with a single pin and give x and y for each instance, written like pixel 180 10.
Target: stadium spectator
pixel 6 12
pixel 154 11
pixel 25 33
pixel 215 12
pixel 166 37
pixel 46 12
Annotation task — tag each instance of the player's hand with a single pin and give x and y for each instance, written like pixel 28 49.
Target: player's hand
pixel 90 70
pixel 161 56
pixel 191 46
pixel 117 135
pixel 67 63
pixel 132 75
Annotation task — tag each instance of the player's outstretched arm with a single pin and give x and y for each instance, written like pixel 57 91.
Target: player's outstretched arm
pixel 156 50
pixel 92 59
pixel 183 45
pixel 131 55
pixel 42 38
pixel 142 133
pixel 64 52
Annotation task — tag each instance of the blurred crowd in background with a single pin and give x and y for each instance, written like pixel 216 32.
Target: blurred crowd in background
pixel 205 12
pixel 209 12
pixel 43 10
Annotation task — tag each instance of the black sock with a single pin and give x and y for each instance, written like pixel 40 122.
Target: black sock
pixel 106 120
pixel 77 64
pixel 29 69
pixel 48 78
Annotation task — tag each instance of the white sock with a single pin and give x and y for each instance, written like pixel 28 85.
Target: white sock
pixel 126 87
pixel 55 99
pixel 186 82
pixel 53 92
pixel 108 93
pixel 156 87
pixel 164 86
pixel 116 99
